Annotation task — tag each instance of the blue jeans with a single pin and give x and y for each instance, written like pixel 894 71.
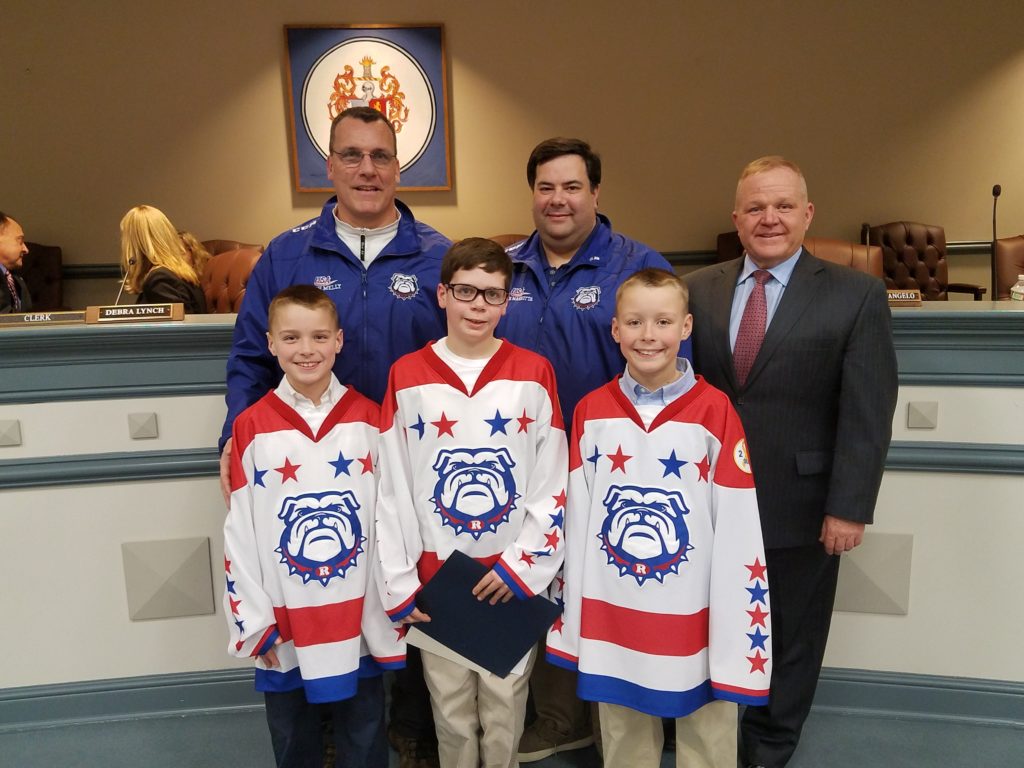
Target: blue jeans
pixel 296 730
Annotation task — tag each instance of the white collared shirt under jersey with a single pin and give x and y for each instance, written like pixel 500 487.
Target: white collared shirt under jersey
pixel 773 290
pixel 649 404
pixel 468 369
pixel 366 244
pixel 302 405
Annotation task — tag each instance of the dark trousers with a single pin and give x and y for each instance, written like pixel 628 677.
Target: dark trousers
pixel 802 589
pixel 296 730
pixel 411 715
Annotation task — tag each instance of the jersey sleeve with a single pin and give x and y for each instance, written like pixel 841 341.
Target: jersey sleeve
pixel 530 563
pixel 247 606
pixel 399 543
pixel 740 649
pixel 564 635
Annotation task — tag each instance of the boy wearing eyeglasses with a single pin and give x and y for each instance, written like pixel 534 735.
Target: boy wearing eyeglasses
pixel 473 458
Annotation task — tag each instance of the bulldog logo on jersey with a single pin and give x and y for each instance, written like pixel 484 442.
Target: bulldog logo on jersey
pixel 475 490
pixel 587 297
pixel 404 286
pixel 322 536
pixel 644 533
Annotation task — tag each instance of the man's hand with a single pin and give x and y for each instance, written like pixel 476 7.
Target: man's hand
pixel 839 535
pixel 225 473
pixel 415 617
pixel 492 585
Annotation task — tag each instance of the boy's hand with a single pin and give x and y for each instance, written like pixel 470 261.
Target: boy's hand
pixel 493 586
pixel 225 473
pixel 415 617
pixel 270 657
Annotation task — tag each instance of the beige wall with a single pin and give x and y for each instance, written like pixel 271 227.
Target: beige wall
pixel 895 110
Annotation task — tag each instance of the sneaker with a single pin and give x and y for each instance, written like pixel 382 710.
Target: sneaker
pixel 543 739
pixel 413 752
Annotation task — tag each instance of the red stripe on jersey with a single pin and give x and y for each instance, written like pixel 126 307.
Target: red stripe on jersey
pixel 320 624
pixel 739 690
pixel 654 633
pixel 430 563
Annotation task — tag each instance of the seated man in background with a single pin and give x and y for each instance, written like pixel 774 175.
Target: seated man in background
pixel 14 295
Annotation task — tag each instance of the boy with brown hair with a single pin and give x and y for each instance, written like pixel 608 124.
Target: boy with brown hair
pixel 300 564
pixel 665 592
pixel 473 458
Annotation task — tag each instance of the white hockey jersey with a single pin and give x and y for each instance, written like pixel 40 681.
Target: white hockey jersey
pixel 483 472
pixel 300 560
pixel 664 586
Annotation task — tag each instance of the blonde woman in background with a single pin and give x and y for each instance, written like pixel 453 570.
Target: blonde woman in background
pixel 195 253
pixel 156 262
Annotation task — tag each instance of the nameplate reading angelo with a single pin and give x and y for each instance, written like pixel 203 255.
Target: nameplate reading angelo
pixel 43 318
pixel 904 297
pixel 135 313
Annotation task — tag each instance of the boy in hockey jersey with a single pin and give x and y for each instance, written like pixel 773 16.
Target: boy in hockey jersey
pixel 665 592
pixel 473 458
pixel 302 573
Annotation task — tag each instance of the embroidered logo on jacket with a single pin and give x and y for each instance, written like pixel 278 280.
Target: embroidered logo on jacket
pixel 587 297
pixel 644 534
pixel 322 536
pixel 326 283
pixel 403 286
pixel 519 294
pixel 475 490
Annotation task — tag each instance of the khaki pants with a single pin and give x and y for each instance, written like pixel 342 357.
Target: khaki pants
pixel 704 739
pixel 479 718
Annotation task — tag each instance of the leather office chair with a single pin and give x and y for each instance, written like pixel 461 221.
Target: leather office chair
pixel 219 246
pixel 914 256
pixel 863 258
pixel 43 273
pixel 1009 263
pixel 225 277
pixel 506 240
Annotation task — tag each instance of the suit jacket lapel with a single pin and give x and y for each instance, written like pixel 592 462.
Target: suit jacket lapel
pixel 722 289
pixel 795 300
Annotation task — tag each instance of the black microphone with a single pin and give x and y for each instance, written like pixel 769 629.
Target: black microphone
pixel 997 190
pixel 124 282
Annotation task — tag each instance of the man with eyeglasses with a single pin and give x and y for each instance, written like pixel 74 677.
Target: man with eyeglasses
pixel 561 305
pixel 381 267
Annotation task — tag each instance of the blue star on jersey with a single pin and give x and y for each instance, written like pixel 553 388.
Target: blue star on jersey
pixel 497 424
pixel 644 533
pixel 419 426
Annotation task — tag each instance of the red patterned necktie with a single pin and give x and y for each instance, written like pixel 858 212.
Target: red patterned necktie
pixel 752 325
pixel 15 298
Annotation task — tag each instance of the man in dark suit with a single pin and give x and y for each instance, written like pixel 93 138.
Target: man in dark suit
pixel 14 295
pixel 804 350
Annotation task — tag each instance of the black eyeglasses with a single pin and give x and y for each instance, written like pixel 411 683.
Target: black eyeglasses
pixel 464 292
pixel 350 158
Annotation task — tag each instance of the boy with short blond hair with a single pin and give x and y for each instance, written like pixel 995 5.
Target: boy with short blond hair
pixel 300 565
pixel 665 591
pixel 473 458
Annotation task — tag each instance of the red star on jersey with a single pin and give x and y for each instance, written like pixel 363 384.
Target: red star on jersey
pixel 524 421
pixel 557 626
pixel 756 570
pixel 238 645
pixel 619 460
pixel 757 662
pixel 561 583
pixel 401 629
pixel 552 539
pixel 444 425
pixel 527 558
pixel 234 604
pixel 288 471
pixel 560 499
pixel 227 565
pixel 703 467
pixel 367 462
pixel 757 616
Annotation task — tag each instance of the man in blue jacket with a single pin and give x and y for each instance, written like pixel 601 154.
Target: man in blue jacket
pixel 561 305
pixel 381 267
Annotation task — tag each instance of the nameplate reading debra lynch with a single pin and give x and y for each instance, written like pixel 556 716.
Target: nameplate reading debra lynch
pixel 904 297
pixel 135 313
pixel 43 318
